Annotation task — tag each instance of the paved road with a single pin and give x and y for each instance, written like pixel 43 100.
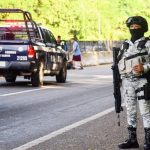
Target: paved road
pixel 77 115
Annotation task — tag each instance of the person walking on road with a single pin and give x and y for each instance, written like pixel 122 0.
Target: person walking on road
pixel 133 65
pixel 76 53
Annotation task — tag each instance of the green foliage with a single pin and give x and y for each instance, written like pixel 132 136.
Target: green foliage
pixel 86 19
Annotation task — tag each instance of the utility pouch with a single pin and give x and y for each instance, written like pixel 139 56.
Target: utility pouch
pixel 121 66
pixel 147 91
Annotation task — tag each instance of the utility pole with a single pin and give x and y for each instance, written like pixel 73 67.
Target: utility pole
pixel 99 29
pixel 98 21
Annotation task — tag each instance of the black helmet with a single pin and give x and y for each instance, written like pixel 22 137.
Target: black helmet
pixel 137 20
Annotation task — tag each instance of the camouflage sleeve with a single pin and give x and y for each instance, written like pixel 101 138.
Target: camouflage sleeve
pixel 147 63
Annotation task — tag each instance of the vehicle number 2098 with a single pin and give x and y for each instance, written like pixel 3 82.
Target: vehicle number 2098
pixel 21 57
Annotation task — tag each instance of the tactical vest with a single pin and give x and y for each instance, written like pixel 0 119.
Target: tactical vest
pixel 140 46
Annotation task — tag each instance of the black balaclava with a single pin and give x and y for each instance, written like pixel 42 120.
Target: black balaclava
pixel 136 34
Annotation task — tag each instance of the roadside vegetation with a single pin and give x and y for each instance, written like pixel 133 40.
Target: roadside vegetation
pixel 89 20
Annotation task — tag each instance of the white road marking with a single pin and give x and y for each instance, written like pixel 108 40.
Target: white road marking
pixel 43 88
pixel 104 76
pixel 62 130
pixel 21 92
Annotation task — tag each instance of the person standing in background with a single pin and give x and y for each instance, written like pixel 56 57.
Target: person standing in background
pixel 62 43
pixel 58 40
pixel 76 53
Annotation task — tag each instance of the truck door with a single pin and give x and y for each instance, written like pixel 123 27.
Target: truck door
pixel 52 56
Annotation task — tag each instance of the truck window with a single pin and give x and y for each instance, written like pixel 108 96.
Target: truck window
pixel 46 36
pixel 49 37
pixel 53 40
pixel 8 36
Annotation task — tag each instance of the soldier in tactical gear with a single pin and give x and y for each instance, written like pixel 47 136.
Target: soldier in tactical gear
pixel 134 63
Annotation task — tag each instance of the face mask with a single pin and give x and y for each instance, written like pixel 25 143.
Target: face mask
pixel 136 34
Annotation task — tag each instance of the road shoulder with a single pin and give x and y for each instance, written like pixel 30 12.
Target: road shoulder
pixel 100 134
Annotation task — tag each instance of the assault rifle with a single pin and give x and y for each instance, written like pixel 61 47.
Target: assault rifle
pixel 116 83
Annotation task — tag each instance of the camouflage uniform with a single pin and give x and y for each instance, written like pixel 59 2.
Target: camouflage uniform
pixel 132 83
pixel 134 62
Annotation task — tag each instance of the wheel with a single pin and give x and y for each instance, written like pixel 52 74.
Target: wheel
pixel 61 77
pixel 10 79
pixel 38 76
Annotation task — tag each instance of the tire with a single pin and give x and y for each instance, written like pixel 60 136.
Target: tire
pixel 10 79
pixel 38 76
pixel 61 77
